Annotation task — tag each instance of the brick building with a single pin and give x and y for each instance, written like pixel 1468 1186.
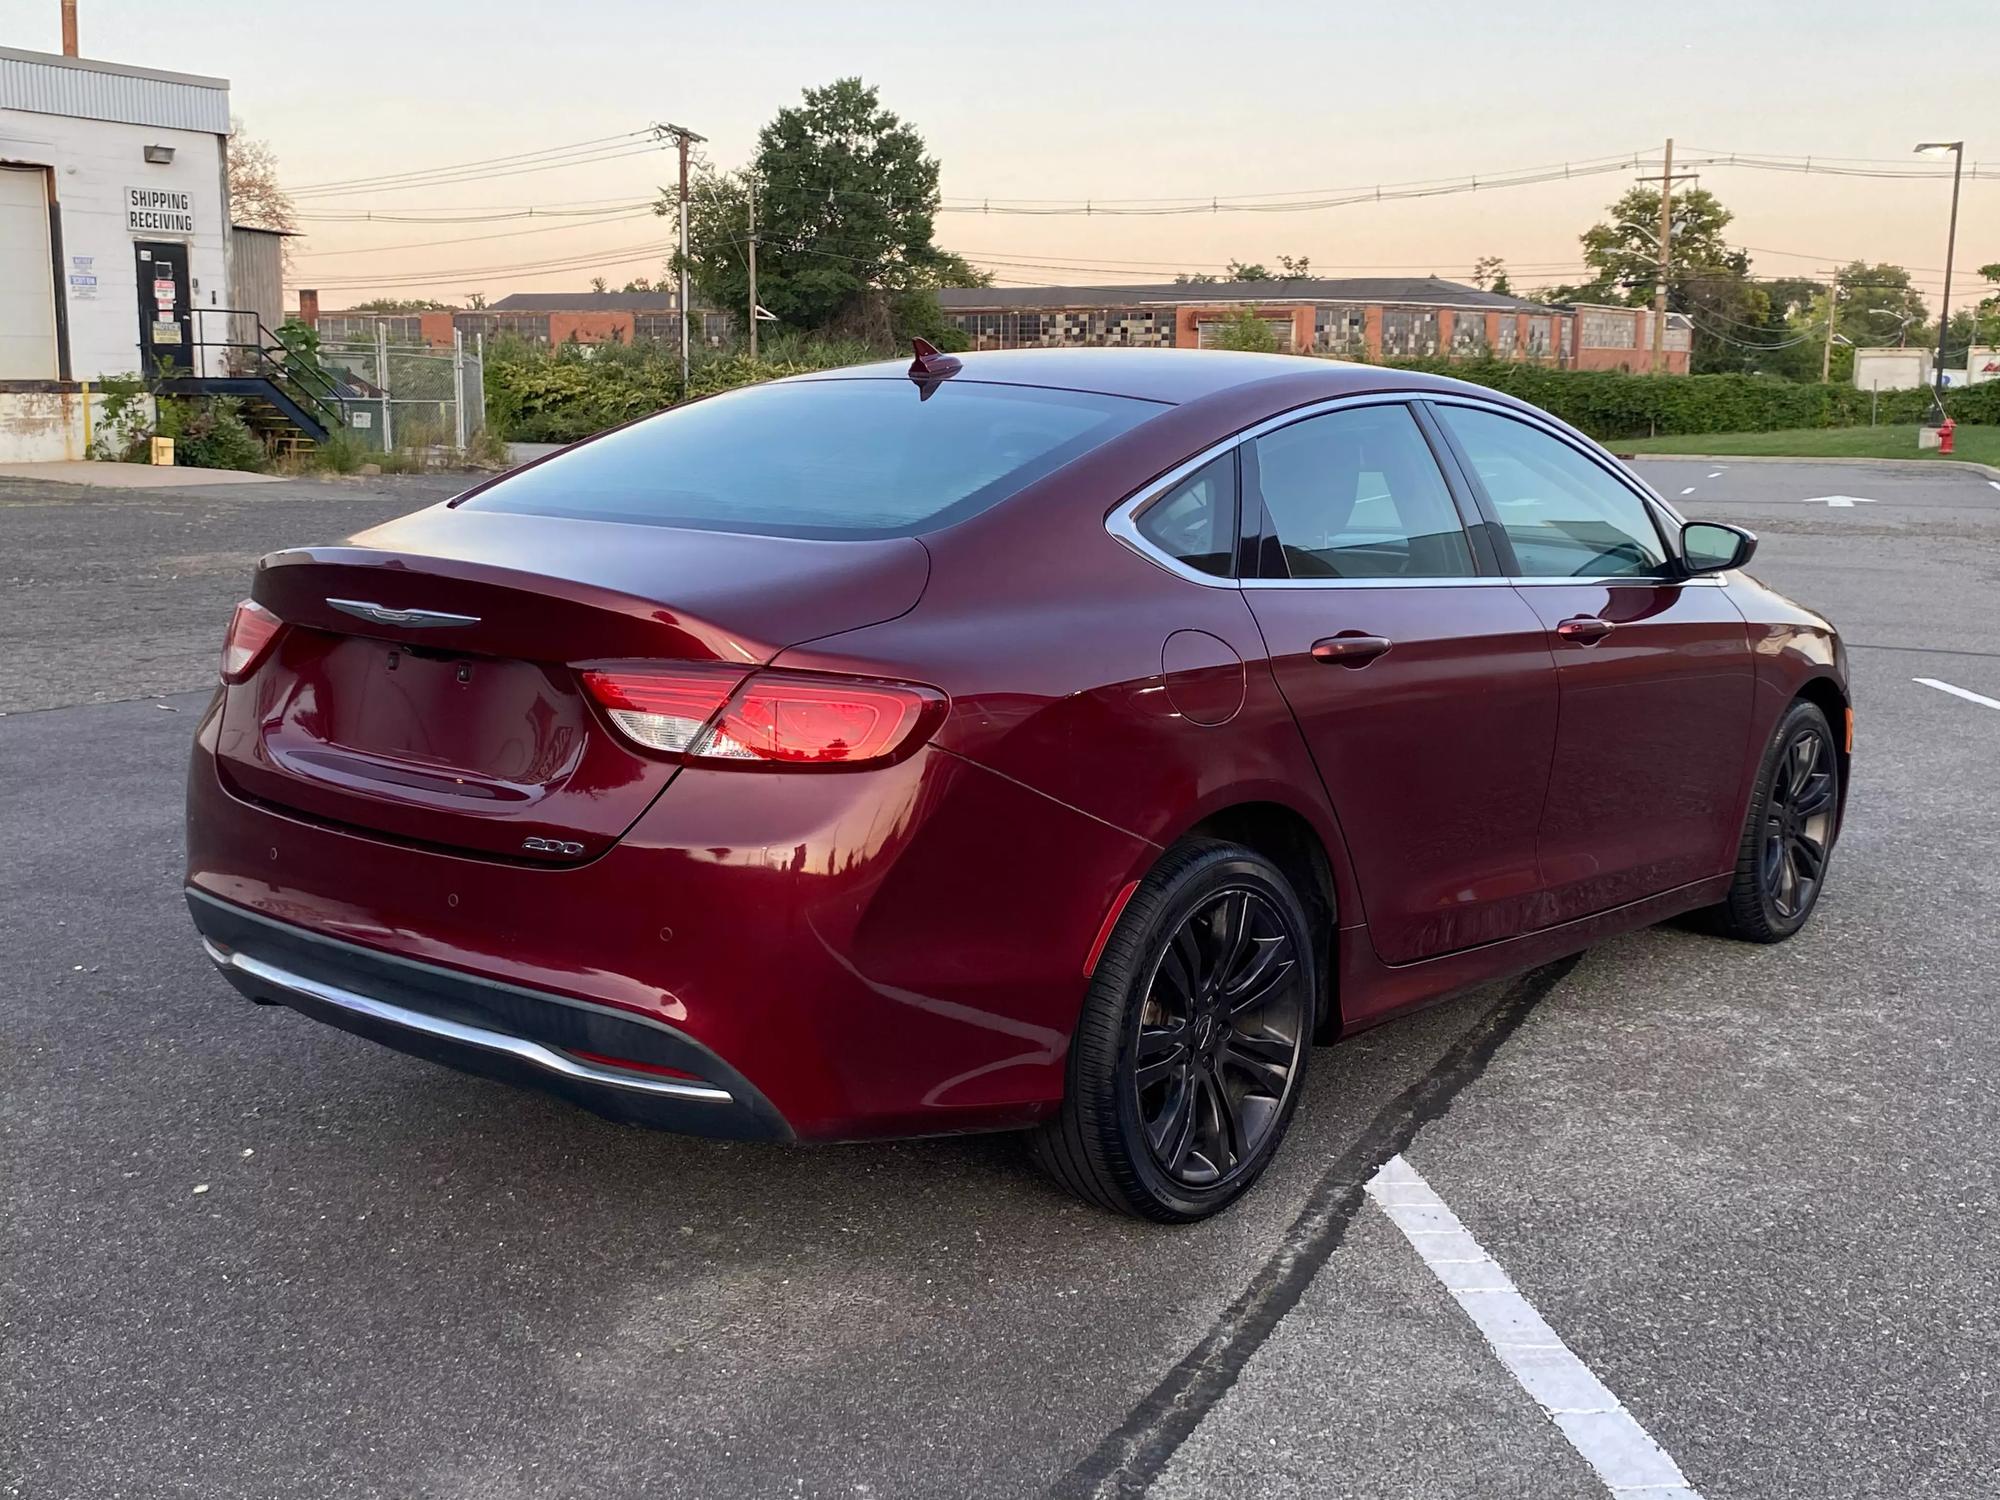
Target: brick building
pixel 538 317
pixel 1368 317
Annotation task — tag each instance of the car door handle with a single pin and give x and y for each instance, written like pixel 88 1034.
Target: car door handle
pixel 1584 630
pixel 1350 650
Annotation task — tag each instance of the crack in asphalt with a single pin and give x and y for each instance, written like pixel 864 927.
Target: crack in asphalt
pixel 1126 1462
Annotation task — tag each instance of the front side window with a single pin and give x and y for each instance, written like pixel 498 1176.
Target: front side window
pixel 845 458
pixel 1195 521
pixel 1566 517
pixel 1357 494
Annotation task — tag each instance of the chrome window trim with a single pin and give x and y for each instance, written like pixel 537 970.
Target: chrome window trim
pixel 1121 522
pixel 548 1059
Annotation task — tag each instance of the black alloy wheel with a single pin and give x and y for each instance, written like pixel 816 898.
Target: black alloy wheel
pixel 1789 834
pixel 1218 1038
pixel 1191 1050
pixel 1798 822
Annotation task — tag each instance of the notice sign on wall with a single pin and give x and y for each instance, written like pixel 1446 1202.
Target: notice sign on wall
pixel 158 211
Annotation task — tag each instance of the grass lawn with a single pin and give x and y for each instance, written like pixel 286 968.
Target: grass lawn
pixel 1980 444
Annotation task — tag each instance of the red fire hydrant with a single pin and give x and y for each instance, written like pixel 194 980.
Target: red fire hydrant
pixel 1944 435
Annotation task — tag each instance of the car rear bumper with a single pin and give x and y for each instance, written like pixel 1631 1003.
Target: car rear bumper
pixel 877 953
pixel 483 1026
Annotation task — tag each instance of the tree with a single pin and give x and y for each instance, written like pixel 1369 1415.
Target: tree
pixel 256 199
pixel 1489 274
pixel 1291 268
pixel 599 284
pixel 1248 333
pixel 1706 279
pixel 846 220
pixel 1986 324
pixel 401 305
pixel 476 301
pixel 1625 253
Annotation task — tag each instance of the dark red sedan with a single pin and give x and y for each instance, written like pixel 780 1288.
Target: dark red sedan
pixel 1055 740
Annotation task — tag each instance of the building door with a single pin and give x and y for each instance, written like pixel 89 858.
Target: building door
pixel 28 348
pixel 166 318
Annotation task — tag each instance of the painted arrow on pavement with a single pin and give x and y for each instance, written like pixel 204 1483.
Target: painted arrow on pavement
pixel 1843 502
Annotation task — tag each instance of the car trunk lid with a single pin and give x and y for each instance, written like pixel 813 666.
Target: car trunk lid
pixel 426 684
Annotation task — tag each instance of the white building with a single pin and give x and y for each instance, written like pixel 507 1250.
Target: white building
pixel 114 236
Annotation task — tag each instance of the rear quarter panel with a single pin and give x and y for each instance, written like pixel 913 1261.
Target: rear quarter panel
pixel 1049 636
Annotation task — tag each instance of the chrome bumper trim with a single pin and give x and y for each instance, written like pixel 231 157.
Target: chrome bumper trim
pixel 532 1053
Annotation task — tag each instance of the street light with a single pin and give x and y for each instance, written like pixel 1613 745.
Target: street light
pixel 1957 150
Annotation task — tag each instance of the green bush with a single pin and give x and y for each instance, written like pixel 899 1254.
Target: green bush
pixel 1610 404
pixel 542 395
pixel 341 453
pixel 210 433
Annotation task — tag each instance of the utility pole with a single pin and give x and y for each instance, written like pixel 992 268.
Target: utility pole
pixel 685 140
pixel 1665 239
pixel 751 178
pixel 1832 318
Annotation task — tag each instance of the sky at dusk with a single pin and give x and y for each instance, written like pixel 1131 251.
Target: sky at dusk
pixel 1049 101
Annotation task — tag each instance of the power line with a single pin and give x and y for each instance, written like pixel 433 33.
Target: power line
pixel 586 159
pixel 486 161
pixel 613 256
pixel 473 239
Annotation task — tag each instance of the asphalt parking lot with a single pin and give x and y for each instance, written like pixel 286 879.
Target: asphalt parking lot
pixel 1753 1190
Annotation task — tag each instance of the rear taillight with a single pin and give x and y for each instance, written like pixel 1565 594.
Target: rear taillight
pixel 770 721
pixel 251 630
pixel 662 708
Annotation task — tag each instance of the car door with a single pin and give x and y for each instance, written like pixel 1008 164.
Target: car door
pixel 1654 667
pixel 1425 686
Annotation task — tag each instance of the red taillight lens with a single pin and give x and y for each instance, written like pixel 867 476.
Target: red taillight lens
pixel 662 708
pixel 251 630
pixel 780 719
pixel 775 719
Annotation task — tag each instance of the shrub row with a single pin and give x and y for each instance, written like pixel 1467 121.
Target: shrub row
pixel 540 395
pixel 569 392
pixel 1611 404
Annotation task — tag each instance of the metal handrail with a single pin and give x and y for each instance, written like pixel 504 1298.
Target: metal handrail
pixel 313 388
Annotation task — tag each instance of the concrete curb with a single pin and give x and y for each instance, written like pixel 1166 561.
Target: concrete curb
pixel 99 474
pixel 1965 464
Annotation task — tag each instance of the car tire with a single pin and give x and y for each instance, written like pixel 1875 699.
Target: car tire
pixel 1192 1046
pixel 1789 834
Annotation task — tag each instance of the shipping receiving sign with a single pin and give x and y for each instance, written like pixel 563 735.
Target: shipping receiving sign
pixel 158 211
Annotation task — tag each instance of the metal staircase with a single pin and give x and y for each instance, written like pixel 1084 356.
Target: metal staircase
pixel 290 402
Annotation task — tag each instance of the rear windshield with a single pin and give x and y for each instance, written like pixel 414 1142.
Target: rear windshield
pixel 825 458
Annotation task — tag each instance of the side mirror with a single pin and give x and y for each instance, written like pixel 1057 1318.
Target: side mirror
pixel 1711 547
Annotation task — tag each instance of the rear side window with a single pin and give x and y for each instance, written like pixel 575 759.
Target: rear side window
pixel 1565 516
pixel 1357 494
pixel 1195 521
pixel 825 458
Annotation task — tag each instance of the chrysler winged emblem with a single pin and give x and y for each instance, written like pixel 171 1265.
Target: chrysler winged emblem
pixel 415 619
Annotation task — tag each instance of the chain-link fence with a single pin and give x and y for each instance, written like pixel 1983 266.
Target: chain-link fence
pixel 407 395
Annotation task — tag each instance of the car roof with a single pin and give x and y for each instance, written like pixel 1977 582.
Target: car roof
pixel 1174 376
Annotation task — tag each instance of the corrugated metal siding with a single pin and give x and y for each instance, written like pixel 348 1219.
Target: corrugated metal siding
pixel 256 281
pixel 89 94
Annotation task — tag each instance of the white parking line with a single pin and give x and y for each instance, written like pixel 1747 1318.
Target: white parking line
pixel 1958 692
pixel 1688 491
pixel 1995 483
pixel 1596 1424
pixel 1716 475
